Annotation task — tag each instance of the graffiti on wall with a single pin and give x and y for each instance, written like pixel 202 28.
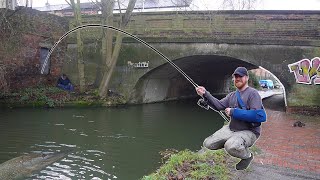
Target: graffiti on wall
pixel 306 71
pixel 139 64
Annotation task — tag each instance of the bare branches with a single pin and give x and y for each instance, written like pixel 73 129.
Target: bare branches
pixel 69 3
pixel 239 4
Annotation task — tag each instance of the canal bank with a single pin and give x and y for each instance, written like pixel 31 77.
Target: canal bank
pixel 50 96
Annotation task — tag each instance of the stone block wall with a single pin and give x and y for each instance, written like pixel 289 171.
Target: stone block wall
pixel 235 27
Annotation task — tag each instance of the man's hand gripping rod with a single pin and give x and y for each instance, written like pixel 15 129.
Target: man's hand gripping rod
pixel 204 104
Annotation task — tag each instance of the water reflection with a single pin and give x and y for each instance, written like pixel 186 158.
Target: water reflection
pixel 107 143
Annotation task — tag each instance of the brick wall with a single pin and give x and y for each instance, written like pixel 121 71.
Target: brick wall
pixel 23 32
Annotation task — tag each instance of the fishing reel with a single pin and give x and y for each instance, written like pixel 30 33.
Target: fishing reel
pixel 203 103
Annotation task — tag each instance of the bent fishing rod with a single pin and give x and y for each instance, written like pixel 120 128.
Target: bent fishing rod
pixel 139 40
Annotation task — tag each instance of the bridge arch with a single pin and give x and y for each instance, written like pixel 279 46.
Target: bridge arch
pixel 166 83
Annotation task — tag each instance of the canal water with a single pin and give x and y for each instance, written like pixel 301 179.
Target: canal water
pixel 107 143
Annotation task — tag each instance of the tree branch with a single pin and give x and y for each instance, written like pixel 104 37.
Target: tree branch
pixel 69 3
pixel 129 10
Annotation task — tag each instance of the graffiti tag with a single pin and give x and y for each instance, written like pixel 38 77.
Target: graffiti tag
pixel 306 71
pixel 139 64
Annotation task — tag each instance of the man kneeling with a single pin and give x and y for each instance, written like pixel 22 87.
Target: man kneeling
pixel 245 108
pixel 64 83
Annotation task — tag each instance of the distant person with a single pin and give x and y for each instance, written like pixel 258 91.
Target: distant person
pixel 245 108
pixel 65 83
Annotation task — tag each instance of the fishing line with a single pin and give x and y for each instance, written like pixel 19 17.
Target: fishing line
pixel 136 38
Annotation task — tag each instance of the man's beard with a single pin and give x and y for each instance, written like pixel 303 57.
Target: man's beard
pixel 239 84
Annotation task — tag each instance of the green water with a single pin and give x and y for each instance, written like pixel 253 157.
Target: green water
pixel 108 143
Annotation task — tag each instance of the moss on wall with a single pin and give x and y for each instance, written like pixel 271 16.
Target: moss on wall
pixel 304 95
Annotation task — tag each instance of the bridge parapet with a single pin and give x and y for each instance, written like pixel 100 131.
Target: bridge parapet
pixel 234 27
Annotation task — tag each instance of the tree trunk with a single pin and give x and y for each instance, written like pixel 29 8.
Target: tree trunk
pixel 110 65
pixel 78 20
pixel 110 68
pixel 107 38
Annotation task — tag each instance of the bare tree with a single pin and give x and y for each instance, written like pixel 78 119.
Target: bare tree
pixel 112 52
pixel 78 21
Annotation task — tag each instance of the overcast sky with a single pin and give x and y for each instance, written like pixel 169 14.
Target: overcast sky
pixel 271 4
pixel 215 4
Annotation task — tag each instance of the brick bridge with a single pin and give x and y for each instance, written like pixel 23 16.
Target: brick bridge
pixel 208 46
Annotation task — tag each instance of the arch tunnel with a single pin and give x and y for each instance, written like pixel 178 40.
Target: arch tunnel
pixel 165 83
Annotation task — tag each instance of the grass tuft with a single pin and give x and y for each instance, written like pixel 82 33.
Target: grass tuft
pixel 189 165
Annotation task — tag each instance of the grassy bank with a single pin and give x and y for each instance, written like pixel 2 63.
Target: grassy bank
pixel 51 97
pixel 191 165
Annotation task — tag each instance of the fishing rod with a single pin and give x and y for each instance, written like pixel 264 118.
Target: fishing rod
pixel 134 37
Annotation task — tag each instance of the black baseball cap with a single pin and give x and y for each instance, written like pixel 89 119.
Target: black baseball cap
pixel 241 71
